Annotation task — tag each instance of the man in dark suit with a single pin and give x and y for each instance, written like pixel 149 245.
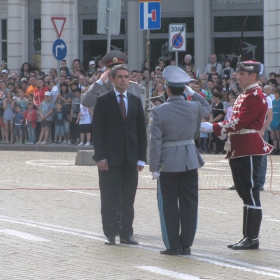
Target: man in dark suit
pixel 120 143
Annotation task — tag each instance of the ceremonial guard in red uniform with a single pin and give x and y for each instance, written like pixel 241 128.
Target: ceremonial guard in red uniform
pixel 245 148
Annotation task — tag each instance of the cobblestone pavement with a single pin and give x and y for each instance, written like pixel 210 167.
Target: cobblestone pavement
pixel 50 225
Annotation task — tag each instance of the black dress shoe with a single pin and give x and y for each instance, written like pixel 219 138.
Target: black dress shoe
pixel 231 245
pixel 247 244
pixel 128 240
pixel 232 188
pixel 110 241
pixel 186 251
pixel 171 252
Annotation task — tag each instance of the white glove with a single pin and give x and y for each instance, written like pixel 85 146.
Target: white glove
pixel 223 137
pixel 206 127
pixel 155 175
pixel 189 91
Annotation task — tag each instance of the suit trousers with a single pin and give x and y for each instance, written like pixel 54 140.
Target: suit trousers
pixel 246 177
pixel 118 183
pixel 178 202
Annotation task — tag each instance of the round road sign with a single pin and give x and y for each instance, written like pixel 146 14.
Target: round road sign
pixel 177 41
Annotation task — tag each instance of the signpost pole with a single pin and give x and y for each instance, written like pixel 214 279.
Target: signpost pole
pixel 176 57
pixel 109 10
pixel 148 57
pixel 58 76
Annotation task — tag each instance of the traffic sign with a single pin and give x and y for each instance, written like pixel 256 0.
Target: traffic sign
pixel 150 15
pixel 177 37
pixel 58 24
pixel 59 49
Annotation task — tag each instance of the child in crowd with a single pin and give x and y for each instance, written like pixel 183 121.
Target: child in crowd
pixel 229 109
pixel 18 121
pixel 213 72
pixel 58 119
pixel 22 101
pixel 1 120
pixel 45 112
pixel 204 138
pixel 8 105
pixel 84 120
pixel 75 110
pixel 30 117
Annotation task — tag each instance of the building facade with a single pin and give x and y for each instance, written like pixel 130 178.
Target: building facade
pixel 212 26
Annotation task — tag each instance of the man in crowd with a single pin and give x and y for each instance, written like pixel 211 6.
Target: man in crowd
pixel 213 63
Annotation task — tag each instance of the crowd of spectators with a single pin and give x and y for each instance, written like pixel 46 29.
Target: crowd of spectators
pixel 34 111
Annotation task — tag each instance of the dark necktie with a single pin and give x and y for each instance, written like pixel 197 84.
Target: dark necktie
pixel 122 106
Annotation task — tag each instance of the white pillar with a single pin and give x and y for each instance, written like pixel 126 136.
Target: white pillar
pixel 271 36
pixel 17 34
pixel 202 33
pixel 54 8
pixel 135 51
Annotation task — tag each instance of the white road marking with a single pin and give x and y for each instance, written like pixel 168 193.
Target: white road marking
pixel 87 193
pixel 224 262
pixel 24 235
pixel 247 268
pixel 170 273
pixel 50 162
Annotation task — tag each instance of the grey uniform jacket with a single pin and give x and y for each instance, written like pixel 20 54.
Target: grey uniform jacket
pixel 89 97
pixel 176 120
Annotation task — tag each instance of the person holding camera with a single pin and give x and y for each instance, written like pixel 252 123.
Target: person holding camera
pixel 227 71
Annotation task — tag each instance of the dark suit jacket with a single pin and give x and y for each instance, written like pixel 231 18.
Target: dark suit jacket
pixel 112 137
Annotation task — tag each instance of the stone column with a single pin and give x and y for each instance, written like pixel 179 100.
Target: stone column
pixel 271 36
pixel 54 8
pixel 17 34
pixel 202 33
pixel 135 51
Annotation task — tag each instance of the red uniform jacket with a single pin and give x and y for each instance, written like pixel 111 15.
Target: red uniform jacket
pixel 248 115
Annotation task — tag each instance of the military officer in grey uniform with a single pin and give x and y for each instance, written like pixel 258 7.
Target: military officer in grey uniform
pixel 103 84
pixel 174 161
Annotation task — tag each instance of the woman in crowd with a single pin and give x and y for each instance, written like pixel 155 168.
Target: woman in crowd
pixel 25 70
pixel 160 90
pixel 218 115
pixel 275 123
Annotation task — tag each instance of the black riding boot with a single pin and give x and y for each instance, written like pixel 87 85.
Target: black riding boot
pixel 252 229
pixel 245 207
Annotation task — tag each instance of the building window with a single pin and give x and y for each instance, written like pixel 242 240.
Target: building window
pixel 235 24
pixel 227 32
pixel 94 49
pixel 189 21
pixel 90 27
pixel 4 39
pixel 37 36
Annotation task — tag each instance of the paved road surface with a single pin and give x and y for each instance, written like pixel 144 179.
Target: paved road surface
pixel 50 225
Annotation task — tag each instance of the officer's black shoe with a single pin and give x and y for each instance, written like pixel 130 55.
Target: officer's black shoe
pixel 171 252
pixel 128 240
pixel 261 188
pixel 231 245
pixel 186 251
pixel 232 188
pixel 247 244
pixel 110 241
